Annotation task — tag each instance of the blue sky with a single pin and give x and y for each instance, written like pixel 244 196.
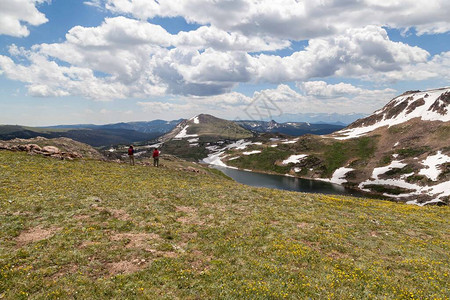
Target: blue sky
pixel 104 61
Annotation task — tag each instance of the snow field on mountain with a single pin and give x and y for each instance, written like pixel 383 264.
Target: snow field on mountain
pixel 183 134
pixel 424 112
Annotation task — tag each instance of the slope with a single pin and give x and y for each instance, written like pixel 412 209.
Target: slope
pixel 80 229
pixel 192 138
pixel 401 151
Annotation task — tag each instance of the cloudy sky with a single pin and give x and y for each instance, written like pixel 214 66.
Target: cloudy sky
pixel 103 61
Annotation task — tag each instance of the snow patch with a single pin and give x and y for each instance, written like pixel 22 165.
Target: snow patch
pixel 251 152
pixel 183 134
pixel 290 142
pixel 338 176
pixel 432 164
pixel 294 159
pixel 216 157
pixel 394 164
pixel 196 121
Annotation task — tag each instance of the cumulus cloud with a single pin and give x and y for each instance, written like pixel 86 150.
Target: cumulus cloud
pixel 124 58
pixel 294 19
pixel 17 15
pixel 356 52
pixel 321 89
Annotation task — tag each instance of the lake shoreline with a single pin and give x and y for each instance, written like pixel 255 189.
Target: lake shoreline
pixel 338 188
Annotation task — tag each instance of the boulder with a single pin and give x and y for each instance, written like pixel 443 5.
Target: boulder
pixel 51 150
pixel 34 147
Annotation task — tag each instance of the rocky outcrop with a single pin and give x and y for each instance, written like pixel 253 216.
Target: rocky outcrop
pixel 34 149
pixel 61 148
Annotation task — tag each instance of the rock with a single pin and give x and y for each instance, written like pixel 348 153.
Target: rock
pixel 34 147
pixel 51 150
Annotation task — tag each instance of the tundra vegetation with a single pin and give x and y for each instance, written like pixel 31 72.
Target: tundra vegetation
pixel 89 229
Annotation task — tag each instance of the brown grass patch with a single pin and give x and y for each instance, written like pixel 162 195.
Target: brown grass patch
pixel 135 240
pixel 125 267
pixel 34 235
pixel 192 217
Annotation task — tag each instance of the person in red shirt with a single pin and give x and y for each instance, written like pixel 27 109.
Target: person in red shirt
pixel 156 157
pixel 131 155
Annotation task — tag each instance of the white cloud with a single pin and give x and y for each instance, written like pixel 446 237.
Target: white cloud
pixel 321 89
pixel 125 58
pixel 356 52
pixel 17 15
pixel 294 19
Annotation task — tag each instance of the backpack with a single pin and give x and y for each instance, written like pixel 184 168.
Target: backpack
pixel 130 151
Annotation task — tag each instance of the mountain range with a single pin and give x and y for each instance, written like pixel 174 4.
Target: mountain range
pixel 134 132
pixel 401 151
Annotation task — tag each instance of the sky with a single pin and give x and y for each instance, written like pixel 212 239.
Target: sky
pixel 107 61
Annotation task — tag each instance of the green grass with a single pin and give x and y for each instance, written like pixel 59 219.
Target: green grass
pixel 412 152
pixel 96 230
pixel 263 161
pixel 338 153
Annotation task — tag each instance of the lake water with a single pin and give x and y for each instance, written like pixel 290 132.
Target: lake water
pixel 287 183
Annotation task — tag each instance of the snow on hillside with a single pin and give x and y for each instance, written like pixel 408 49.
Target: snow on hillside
pixel 338 176
pixel 294 159
pixel 382 170
pixel 432 165
pixel 428 106
pixel 251 152
pixel 431 170
pixel 183 134
pixel 216 157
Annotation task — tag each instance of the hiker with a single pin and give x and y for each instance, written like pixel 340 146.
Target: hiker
pixel 131 155
pixel 156 157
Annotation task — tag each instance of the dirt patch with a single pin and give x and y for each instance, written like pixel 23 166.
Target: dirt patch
pixel 85 244
pixel 34 235
pixel 336 255
pixel 191 218
pixel 119 214
pixel 304 225
pixel 125 267
pixel 135 240
pixel 199 261
pixel 65 270
pixel 186 209
pixel 81 217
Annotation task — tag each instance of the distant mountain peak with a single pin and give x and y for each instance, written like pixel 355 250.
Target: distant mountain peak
pixel 431 105
pixel 203 125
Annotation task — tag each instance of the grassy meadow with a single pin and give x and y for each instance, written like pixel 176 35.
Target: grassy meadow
pixel 88 229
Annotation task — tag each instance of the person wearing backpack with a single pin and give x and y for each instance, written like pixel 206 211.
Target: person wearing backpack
pixel 156 157
pixel 131 154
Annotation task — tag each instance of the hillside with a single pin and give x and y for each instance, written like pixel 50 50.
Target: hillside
pixel 94 135
pixel 90 136
pixel 289 128
pixel 401 151
pixel 192 138
pixel 207 127
pixel 58 147
pixel 81 229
